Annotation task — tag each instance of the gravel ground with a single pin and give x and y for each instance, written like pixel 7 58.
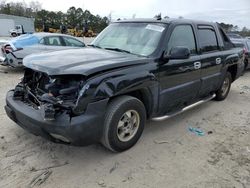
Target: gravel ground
pixel 167 155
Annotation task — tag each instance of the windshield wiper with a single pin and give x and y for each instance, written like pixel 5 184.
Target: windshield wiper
pixel 118 50
pixel 94 46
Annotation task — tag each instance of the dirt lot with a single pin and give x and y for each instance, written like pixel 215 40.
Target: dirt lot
pixel 167 155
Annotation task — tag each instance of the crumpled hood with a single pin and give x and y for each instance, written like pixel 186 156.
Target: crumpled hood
pixel 83 61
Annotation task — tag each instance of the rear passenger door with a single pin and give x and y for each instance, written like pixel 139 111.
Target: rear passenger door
pixel 211 59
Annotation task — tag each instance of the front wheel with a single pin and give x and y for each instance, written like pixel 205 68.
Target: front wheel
pixel 222 93
pixel 124 123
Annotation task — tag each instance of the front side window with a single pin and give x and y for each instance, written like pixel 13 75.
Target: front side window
pixel 208 40
pixel 73 42
pixel 182 36
pixel 137 38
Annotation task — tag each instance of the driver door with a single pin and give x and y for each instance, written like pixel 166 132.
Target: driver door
pixel 180 79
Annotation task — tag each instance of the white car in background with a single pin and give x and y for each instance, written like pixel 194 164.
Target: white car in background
pixel 20 47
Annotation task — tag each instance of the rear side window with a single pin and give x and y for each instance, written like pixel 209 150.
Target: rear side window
pixel 183 36
pixel 54 41
pixel 239 45
pixel 226 41
pixel 208 40
pixel 42 41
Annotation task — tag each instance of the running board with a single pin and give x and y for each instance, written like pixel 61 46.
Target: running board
pixel 184 109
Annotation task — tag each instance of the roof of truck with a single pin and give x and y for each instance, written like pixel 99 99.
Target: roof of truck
pixel 166 21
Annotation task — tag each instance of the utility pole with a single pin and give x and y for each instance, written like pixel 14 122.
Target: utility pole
pixel 110 16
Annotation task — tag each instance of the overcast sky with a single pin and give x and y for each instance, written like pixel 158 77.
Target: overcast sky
pixel 236 12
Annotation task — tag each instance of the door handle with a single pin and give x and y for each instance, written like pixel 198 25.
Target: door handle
pixel 197 65
pixel 218 61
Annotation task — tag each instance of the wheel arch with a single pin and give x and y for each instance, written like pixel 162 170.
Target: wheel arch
pixel 144 95
pixel 143 86
pixel 233 69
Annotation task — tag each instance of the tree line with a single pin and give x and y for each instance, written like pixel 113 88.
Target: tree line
pixel 76 17
pixel 73 18
pixel 228 28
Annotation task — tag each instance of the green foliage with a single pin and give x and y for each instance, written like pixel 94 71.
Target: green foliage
pixel 230 28
pixel 73 18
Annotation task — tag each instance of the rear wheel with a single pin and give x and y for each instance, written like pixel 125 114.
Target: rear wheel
pixel 222 93
pixel 246 65
pixel 13 34
pixel 124 123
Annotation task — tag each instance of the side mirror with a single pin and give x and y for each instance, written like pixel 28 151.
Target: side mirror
pixel 178 52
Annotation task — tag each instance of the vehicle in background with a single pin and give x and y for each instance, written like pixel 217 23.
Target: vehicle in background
pixel 134 70
pixel 234 36
pixel 245 44
pixel 2 42
pixel 16 49
pixel 248 38
pixel 19 30
pixel 11 22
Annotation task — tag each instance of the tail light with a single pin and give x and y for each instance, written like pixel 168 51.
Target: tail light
pixel 245 50
pixel 8 49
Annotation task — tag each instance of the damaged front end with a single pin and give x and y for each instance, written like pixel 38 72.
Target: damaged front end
pixel 52 95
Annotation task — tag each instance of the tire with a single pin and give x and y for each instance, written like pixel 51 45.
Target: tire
pixel 246 66
pixel 222 93
pixel 13 34
pixel 117 122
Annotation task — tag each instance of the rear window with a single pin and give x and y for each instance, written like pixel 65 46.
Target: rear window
pixel 239 45
pixel 208 40
pixel 25 40
pixel 248 45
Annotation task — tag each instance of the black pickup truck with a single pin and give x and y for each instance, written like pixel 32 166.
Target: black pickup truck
pixel 134 70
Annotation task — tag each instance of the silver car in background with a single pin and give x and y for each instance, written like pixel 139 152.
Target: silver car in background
pixel 16 49
pixel 245 45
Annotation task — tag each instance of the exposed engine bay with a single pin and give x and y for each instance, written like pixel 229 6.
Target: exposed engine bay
pixel 51 94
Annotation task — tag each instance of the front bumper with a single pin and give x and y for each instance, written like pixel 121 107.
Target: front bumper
pixel 12 61
pixel 2 59
pixel 80 130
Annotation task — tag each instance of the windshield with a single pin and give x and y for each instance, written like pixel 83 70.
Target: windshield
pixel 136 38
